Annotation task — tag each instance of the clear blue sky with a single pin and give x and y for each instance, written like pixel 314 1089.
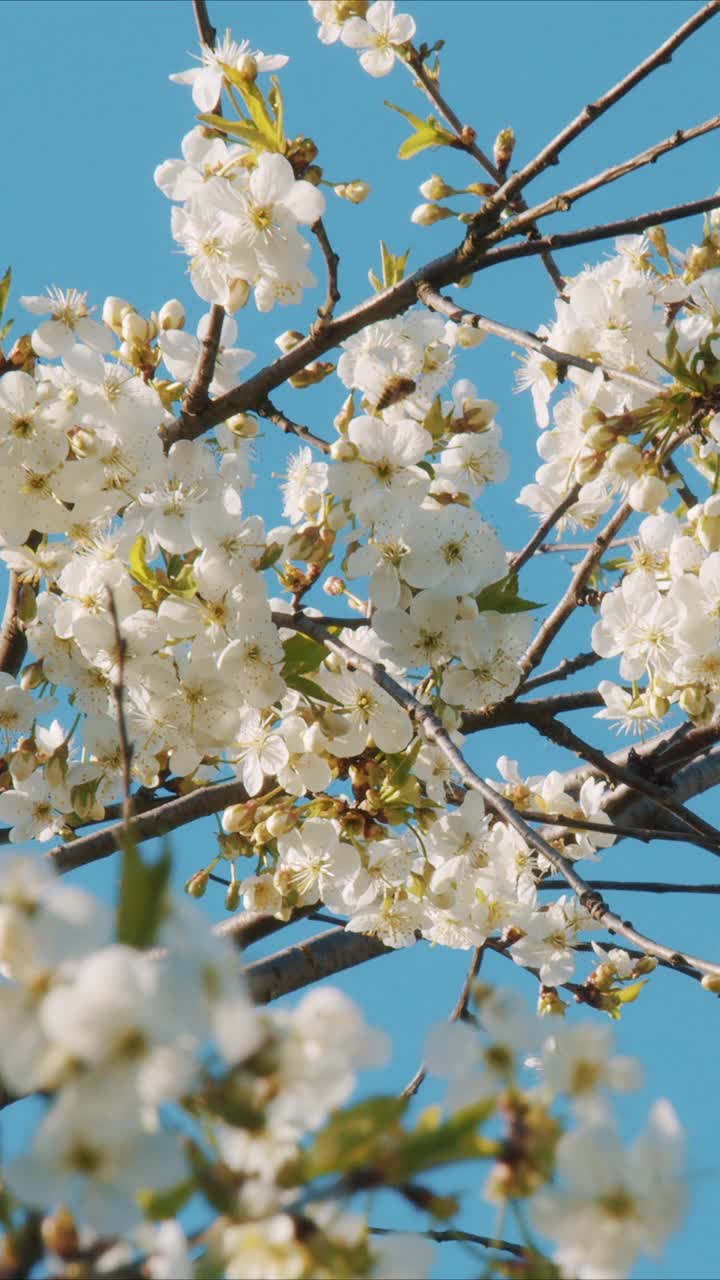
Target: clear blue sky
pixel 89 112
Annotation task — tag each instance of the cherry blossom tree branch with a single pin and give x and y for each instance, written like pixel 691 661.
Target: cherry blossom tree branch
pixel 466 141
pixel 455 1236
pixel 457 1013
pixel 306 962
pixel 644 834
pixel 13 642
pixel 550 153
pixel 266 409
pixel 156 822
pixel 206 30
pixel 332 262
pixel 531 342
pixel 196 396
pixel 568 667
pixel 437 735
pixel 637 886
pixel 564 200
pixel 603 231
pixel 560 614
pixel 118 689
pixel 535 542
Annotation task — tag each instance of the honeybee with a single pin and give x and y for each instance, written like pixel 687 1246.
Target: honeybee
pixel 395 389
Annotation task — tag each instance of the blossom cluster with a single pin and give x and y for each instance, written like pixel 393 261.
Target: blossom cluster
pixel 173 1037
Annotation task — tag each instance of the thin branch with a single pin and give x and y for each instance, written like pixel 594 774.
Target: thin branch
pixel 533 713
pixel 206 30
pixel 196 396
pixel 531 546
pixel 531 342
pixel 466 140
pixel 434 732
pixel 457 1014
pixel 118 688
pixel 637 886
pixel 557 619
pixel 592 112
pixel 332 262
pixel 566 668
pixel 551 548
pixel 564 200
pixel 455 1236
pixel 644 834
pixel 266 409
pixel 602 231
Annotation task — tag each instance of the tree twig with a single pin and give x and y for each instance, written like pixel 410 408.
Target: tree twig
pixel 531 342
pixel 196 396
pixel 332 262
pixel 568 667
pixel 602 231
pixel 455 1236
pixel 457 1014
pixel 637 886
pixel 563 201
pixel 118 688
pixel 266 409
pixel 592 112
pixel 535 542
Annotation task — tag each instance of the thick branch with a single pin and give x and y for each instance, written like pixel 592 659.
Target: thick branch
pixel 310 961
pixel 13 642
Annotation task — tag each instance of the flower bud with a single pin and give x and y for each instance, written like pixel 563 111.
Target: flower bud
pixel 336 518
pixel 59 1234
pixel 436 188
pixel 83 442
pixel 600 437
pixel 334 586
pixel 172 315
pixel 113 311
pixel 658 239
pixel 134 328
pixel 427 214
pixel 238 295
pixel 23 761
pixel 26 603
pixel 711 982
pixel 355 192
pixel 647 493
pixel 232 896
pixel 247 68
pixel 197 884
pixel 239 818
pixel 343 451
pixel 503 149
pixel 624 459
pixel 280 822
pixel 32 676
pixel 289 339
pixel 310 503
pixel 694 702
pixel 468 335
pixel 243 425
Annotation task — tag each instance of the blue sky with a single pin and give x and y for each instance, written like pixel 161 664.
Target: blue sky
pixel 90 112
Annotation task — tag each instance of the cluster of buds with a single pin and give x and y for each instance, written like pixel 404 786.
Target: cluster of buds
pixel 137 334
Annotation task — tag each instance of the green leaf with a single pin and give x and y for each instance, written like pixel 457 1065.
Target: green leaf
pixel 277 107
pixel 236 129
pixel 454 1140
pixel 359 1136
pixel 139 567
pixel 502 597
pixel 5 290
pixel 5 329
pixel 184 583
pixel 393 268
pixel 310 689
pixel 428 133
pixel 302 654
pixel 255 102
pixel 167 1204
pixel 629 994
pixel 143 895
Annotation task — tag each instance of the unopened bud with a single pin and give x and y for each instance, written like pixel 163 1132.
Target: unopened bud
pixel 197 884
pixel 549 1003
pixel 288 340
pixel 243 425
pixel 427 214
pixel 134 328
pixel 232 897
pixel 280 822
pixel 32 676
pixel 113 311
pixel 342 420
pixel 355 192
pixel 247 67
pixel 600 437
pixel 624 459
pixel 334 586
pixel 336 518
pixel 172 315
pixel 56 768
pixel 436 188
pixel 468 335
pixel 59 1234
pixel 238 295
pixel 658 239
pixel 647 493
pixel 503 149
pixel 312 373
pixel 694 702
pixel 239 818
pixel 83 442
pixel 26 603
pixel 343 451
